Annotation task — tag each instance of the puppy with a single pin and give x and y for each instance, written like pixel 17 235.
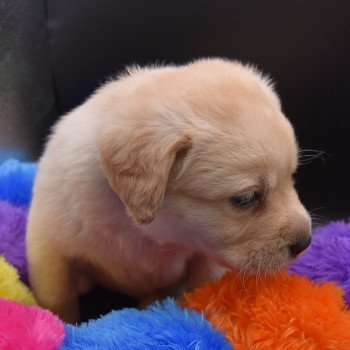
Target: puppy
pixel 160 181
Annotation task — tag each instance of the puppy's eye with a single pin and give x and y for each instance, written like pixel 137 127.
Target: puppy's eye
pixel 246 200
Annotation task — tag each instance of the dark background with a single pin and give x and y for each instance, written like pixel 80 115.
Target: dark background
pixel 304 45
pixel 54 53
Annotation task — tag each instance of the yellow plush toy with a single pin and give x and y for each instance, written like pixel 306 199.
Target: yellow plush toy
pixel 11 286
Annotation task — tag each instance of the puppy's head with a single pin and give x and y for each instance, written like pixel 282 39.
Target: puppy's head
pixel 204 156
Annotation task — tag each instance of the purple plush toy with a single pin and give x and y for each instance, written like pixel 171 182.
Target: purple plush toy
pixel 328 257
pixel 12 236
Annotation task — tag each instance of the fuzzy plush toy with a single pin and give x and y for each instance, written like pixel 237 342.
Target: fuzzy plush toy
pixel 159 327
pixel 25 327
pixel 10 285
pixel 12 236
pixel 276 312
pixel 328 257
pixel 16 181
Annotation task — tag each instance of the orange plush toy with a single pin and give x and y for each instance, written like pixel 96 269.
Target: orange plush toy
pixel 275 312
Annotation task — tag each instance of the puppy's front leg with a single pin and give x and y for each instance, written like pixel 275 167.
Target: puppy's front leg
pixel 52 281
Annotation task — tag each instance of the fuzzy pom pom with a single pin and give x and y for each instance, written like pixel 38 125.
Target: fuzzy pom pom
pixel 29 328
pixel 161 326
pixel 12 236
pixel 328 257
pixel 16 181
pixel 10 285
pixel 279 312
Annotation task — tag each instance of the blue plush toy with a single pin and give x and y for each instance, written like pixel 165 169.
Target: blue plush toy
pixel 161 326
pixel 16 181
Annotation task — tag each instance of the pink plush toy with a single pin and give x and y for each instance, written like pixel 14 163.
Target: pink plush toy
pixel 28 327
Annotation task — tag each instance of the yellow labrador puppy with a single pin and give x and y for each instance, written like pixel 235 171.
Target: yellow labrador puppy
pixel 160 181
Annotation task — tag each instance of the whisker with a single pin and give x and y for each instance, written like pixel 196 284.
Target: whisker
pixel 308 150
pixel 250 270
pixel 318 220
pixel 256 275
pixel 270 268
pixel 306 156
pixel 240 270
pixel 312 210
pixel 250 273
pixel 259 270
pixel 244 279
pixel 243 270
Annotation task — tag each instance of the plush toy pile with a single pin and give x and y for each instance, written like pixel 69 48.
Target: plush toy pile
pixel 304 308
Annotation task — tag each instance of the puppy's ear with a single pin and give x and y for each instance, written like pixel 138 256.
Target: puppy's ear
pixel 137 163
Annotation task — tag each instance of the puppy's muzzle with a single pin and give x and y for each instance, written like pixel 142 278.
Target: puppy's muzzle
pixel 300 245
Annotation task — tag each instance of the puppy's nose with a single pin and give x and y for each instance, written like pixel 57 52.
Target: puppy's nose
pixel 300 245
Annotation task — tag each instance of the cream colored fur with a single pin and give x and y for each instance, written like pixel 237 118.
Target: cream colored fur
pixel 133 190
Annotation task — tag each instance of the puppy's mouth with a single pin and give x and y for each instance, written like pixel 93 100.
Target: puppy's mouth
pixel 271 258
pixel 261 262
